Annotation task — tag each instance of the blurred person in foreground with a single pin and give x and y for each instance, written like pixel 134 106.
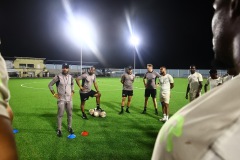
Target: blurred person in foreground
pixel 208 128
pixel 8 148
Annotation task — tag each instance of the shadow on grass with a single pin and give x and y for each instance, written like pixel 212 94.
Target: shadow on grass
pixel 111 105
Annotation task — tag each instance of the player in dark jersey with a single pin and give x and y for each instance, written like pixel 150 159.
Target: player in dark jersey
pixel 86 91
pixel 149 81
pixel 127 80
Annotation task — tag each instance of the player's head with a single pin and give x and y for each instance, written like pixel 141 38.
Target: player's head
pixel 91 70
pixel 226 33
pixel 163 70
pixel 192 69
pixel 129 69
pixel 149 67
pixel 65 68
pixel 213 73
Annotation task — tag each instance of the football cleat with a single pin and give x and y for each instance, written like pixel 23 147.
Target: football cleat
pixel 59 133
pixel 84 116
pixel 70 130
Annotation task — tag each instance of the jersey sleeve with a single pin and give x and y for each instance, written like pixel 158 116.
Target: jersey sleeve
pixel 83 76
pixel 170 79
pixel 145 75
pixel 94 79
pixel 123 78
pixel 157 74
pixel 200 79
pixel 53 81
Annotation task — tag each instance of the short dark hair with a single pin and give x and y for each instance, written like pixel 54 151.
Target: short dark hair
pixel 193 65
pixel 149 65
pixel 213 71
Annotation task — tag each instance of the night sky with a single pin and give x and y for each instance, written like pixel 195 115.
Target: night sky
pixel 173 33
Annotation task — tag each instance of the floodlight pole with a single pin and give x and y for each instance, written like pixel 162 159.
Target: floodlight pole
pixel 81 61
pixel 134 59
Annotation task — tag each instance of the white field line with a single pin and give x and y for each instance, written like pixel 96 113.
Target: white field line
pixel 26 85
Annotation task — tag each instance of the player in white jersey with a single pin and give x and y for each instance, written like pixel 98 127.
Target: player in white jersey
pixel 213 81
pixel 194 84
pixel 166 83
pixel 230 75
pixel 209 127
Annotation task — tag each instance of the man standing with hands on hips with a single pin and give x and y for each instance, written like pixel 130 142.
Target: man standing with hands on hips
pixel 65 91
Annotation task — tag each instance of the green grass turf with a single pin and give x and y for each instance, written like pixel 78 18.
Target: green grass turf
pixel 127 136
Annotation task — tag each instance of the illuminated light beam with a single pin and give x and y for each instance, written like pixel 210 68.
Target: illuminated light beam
pixel 81 31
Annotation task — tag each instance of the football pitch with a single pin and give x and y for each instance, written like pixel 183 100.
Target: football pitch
pixel 127 136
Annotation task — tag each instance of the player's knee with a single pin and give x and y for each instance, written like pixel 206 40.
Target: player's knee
pixel 99 95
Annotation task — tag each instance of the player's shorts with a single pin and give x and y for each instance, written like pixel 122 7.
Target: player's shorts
pixel 151 92
pixel 126 93
pixel 192 96
pixel 165 97
pixel 85 96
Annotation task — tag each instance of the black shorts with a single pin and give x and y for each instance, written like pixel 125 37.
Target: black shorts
pixel 85 96
pixel 151 92
pixel 126 93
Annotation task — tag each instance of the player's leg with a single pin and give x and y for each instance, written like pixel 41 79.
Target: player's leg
pixel 122 105
pixel 83 97
pixel 167 110
pixel 60 113
pixel 128 103
pixel 147 95
pixel 166 107
pixel 153 95
pixel 123 101
pixel 98 96
pixel 84 116
pixel 163 110
pixel 69 108
pixel 130 94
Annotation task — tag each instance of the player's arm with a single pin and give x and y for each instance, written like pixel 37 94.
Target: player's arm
pixel 144 81
pixel 171 85
pixel 188 89
pixel 171 82
pixel 78 81
pixel 8 147
pixel 122 79
pixel 96 86
pixel 72 85
pixel 205 87
pixel 50 86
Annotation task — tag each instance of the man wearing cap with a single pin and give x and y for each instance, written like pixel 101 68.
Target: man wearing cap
pixel 65 91
pixel 149 81
pixel 86 91
pixel 127 80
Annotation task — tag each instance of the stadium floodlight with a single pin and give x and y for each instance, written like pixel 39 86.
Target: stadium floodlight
pixel 81 32
pixel 81 29
pixel 134 40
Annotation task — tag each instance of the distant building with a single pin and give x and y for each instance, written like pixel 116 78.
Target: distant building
pixel 27 67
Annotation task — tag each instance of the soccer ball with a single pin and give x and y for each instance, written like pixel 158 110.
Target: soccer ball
pixel 96 113
pixel 103 114
pixel 91 111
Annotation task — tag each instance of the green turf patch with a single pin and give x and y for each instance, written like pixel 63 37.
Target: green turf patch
pixel 127 136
